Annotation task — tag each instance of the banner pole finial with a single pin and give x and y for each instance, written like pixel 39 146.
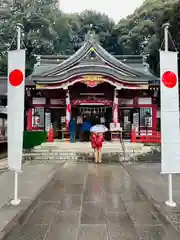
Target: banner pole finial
pixel 166 33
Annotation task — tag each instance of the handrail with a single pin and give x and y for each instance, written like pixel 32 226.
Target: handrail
pixel 149 136
pixel 123 147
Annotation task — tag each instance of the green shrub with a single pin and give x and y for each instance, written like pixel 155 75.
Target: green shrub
pixel 33 138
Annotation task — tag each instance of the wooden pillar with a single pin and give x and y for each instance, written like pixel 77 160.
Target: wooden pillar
pixel 29 119
pixel 133 136
pixel 154 117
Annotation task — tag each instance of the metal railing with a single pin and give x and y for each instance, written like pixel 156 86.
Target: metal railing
pixel 123 147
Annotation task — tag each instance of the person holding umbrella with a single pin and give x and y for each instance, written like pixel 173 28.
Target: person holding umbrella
pixel 93 141
pixel 97 140
pixel 98 149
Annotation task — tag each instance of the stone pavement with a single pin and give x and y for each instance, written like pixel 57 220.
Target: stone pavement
pixel 32 182
pixel 92 202
pixel 155 186
pixel 3 164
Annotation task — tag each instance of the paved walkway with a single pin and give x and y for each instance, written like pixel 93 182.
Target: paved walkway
pixel 3 164
pixel 155 185
pixel 32 181
pixel 92 202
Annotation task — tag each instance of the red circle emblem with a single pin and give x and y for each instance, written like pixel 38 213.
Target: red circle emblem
pixel 16 78
pixel 92 84
pixel 169 79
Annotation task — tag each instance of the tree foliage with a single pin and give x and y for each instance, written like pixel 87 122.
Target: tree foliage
pixel 49 31
pixel 141 32
pixel 46 30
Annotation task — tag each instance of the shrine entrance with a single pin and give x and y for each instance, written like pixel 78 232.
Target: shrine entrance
pixel 92 103
pixel 94 115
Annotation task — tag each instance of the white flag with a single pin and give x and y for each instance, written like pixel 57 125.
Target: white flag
pixel 16 84
pixel 115 110
pixel 68 110
pixel 170 133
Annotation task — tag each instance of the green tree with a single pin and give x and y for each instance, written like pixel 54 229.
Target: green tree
pixel 104 27
pixel 49 31
pixel 138 30
pixel 43 27
pixel 171 15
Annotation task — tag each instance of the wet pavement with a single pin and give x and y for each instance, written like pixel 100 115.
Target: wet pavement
pixel 3 165
pixel 88 201
pixel 155 185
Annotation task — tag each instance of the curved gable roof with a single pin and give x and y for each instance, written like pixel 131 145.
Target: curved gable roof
pixel 88 69
pixel 91 42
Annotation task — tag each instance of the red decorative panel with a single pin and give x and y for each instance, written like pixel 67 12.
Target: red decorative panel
pixel 91 102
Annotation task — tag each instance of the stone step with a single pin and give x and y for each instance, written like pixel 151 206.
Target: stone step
pixel 109 145
pixel 104 161
pixel 71 156
pixel 80 146
pixel 64 152
pixel 71 159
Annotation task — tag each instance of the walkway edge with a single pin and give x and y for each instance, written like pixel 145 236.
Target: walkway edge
pixel 23 211
pixel 152 200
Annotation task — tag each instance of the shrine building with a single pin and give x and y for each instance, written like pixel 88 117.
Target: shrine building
pixel 90 80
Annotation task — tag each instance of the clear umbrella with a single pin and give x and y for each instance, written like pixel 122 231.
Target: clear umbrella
pixel 99 128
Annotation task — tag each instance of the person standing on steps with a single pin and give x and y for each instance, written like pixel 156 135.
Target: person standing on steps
pixel 85 130
pixel 93 141
pixel 72 130
pixel 99 145
pixel 97 140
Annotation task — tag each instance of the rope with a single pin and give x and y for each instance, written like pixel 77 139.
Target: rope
pixel 11 43
pixel 173 43
pixel 162 44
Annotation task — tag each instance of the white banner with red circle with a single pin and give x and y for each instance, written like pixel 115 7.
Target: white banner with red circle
pixel 170 132
pixel 16 84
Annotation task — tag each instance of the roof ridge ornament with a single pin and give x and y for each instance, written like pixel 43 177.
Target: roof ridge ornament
pixel 91 35
pixel 38 60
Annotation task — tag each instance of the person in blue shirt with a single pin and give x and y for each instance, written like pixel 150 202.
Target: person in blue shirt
pixel 72 130
pixel 85 128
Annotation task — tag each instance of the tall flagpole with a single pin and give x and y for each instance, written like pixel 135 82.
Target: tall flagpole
pixel 18 37
pixel 170 202
pixel 16 201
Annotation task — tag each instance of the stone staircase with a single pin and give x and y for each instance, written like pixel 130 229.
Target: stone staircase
pixel 60 151
pixel 153 156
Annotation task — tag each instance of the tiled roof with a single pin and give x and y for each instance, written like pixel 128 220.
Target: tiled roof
pixel 55 68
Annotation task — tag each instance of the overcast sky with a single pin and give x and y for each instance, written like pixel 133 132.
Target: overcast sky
pixel 115 9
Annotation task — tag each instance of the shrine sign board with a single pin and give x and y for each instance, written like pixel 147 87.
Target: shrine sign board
pixel 170 133
pixel 92 80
